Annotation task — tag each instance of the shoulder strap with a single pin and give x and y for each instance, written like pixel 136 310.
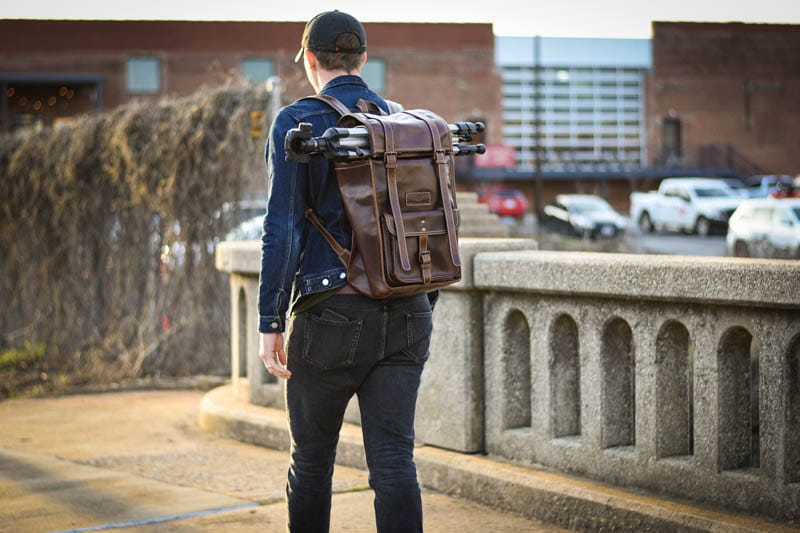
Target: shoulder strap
pixel 363 105
pixel 394 107
pixel 333 102
pixel 311 216
pixel 342 253
pixel 368 106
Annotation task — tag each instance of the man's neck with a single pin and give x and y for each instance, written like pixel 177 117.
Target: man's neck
pixel 325 76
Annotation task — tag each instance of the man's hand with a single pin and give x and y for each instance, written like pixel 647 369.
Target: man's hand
pixel 272 353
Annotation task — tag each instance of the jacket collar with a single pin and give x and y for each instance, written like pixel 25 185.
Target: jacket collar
pixel 347 79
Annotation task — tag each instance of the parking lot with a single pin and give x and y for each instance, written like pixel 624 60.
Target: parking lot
pixel 633 241
pixel 675 243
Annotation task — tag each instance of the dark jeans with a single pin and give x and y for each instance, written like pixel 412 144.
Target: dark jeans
pixel 345 345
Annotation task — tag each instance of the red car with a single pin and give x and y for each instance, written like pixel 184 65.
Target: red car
pixel 505 202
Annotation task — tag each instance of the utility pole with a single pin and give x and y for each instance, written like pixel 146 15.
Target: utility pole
pixel 274 87
pixel 537 130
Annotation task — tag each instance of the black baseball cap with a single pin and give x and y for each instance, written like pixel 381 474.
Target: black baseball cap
pixel 322 31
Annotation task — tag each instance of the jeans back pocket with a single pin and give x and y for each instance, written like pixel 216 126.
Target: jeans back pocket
pixel 418 335
pixel 330 339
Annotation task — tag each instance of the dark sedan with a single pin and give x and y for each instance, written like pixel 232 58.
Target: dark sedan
pixel 583 215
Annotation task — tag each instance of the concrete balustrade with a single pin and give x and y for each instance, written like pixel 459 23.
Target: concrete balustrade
pixel 677 375
pixel 672 374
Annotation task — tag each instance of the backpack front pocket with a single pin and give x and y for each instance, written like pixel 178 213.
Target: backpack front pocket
pixel 428 248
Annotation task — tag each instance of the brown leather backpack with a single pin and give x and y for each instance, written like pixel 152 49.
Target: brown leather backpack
pixel 400 202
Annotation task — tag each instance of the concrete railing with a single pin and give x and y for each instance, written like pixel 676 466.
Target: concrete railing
pixel 673 374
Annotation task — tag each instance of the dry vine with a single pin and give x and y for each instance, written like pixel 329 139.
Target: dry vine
pixel 85 215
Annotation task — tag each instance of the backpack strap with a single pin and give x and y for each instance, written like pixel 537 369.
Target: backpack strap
pixel 368 106
pixel 444 185
pixel 390 161
pixel 394 107
pixel 365 106
pixel 333 102
pixel 341 252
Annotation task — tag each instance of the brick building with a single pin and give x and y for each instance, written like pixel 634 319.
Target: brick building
pixel 53 70
pixel 725 95
pixel 699 98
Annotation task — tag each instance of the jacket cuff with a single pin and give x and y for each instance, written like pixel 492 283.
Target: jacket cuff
pixel 270 324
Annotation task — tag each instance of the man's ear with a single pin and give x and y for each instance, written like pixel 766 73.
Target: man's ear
pixel 310 58
pixel 363 61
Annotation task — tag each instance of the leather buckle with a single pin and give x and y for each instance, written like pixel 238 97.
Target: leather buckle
pixel 390 159
pixel 425 258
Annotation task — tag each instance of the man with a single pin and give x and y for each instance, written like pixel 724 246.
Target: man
pixel 340 343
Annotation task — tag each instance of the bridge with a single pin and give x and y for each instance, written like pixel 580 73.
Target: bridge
pixel 675 376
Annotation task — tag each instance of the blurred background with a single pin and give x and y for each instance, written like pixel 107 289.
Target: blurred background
pixel 132 138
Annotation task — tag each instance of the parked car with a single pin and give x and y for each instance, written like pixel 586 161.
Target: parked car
pixel 583 215
pixel 693 205
pixel 763 186
pixel 738 186
pixel 504 202
pixel 786 189
pixel 765 228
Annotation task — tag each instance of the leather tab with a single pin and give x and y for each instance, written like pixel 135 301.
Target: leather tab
pixel 424 259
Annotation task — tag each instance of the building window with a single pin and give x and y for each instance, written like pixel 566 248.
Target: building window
pixel 374 74
pixel 144 75
pixel 583 109
pixel 257 70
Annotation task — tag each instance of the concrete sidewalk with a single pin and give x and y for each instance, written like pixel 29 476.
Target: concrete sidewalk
pixel 537 494
pixel 138 461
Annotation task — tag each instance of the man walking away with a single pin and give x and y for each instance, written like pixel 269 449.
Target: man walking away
pixel 339 343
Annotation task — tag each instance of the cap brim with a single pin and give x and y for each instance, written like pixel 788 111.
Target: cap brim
pixel 299 55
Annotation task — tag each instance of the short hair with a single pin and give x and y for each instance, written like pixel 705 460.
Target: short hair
pixel 341 60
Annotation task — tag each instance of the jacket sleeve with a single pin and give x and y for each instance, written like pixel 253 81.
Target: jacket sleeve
pixel 284 228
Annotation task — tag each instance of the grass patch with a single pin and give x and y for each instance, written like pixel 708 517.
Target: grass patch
pixel 30 354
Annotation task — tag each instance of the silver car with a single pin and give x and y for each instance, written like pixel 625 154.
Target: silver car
pixel 765 228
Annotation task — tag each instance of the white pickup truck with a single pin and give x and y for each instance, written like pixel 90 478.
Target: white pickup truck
pixel 694 205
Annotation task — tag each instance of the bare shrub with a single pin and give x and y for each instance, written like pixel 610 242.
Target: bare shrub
pixel 86 216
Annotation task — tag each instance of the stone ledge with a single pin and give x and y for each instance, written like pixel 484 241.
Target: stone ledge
pixel 720 280
pixel 566 501
pixel 470 248
pixel 244 257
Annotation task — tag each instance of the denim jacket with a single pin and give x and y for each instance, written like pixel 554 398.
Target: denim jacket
pixel 295 258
